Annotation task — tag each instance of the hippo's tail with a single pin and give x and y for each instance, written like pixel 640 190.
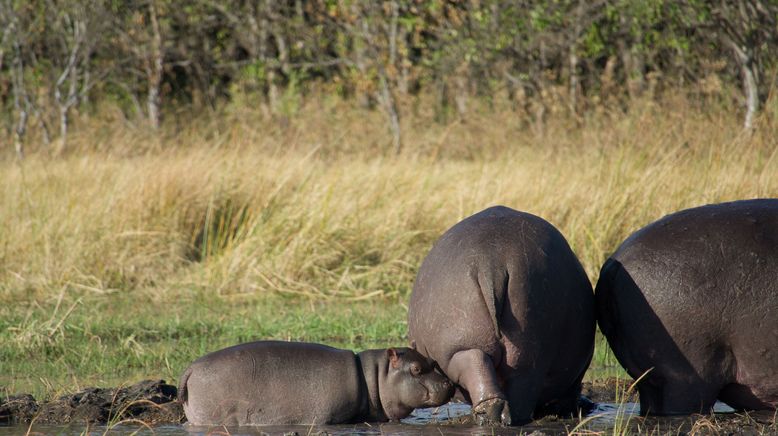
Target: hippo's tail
pixel 604 300
pixel 182 389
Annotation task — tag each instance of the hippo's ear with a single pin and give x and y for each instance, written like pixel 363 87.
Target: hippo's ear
pixel 413 344
pixel 394 360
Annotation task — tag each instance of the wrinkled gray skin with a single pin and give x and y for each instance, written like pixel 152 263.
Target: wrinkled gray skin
pixel 270 382
pixel 502 304
pixel 695 297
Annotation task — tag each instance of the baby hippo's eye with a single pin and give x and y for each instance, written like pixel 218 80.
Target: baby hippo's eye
pixel 415 370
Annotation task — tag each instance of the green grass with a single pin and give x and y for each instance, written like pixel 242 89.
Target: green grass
pixel 128 337
pixel 604 364
pixel 107 341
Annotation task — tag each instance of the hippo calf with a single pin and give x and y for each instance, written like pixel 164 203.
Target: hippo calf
pixel 691 300
pixel 272 382
pixel 502 304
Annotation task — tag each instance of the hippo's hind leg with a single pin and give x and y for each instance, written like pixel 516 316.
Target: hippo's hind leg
pixel 567 404
pixel 474 371
pixel 523 390
pixel 676 398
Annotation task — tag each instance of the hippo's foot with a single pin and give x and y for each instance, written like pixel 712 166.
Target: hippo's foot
pixel 492 412
pixel 585 405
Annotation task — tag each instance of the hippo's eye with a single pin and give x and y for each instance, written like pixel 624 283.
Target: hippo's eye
pixel 415 369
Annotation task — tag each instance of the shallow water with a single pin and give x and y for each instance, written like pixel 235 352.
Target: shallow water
pixel 449 419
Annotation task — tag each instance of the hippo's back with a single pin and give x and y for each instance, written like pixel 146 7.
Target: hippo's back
pixel 710 263
pixel 269 382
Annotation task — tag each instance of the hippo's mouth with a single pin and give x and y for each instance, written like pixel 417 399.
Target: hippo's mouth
pixel 435 397
pixel 427 401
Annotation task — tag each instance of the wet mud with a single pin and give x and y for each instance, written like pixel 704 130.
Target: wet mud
pixel 150 407
pixel 149 401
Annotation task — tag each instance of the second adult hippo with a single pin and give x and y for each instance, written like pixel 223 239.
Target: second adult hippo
pixel 505 308
pixel 273 382
pixel 691 301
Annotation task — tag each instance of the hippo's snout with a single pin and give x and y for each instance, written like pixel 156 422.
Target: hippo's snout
pixel 440 392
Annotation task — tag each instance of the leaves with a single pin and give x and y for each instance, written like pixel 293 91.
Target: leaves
pixel 211 49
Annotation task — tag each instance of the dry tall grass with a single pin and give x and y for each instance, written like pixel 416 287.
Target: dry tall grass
pixel 308 205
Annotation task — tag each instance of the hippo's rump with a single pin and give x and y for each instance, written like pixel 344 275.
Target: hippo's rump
pixel 693 297
pixel 505 282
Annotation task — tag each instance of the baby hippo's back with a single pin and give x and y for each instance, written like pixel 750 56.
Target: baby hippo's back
pixel 272 382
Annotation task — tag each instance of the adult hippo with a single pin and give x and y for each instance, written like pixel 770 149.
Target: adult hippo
pixel 692 299
pixel 502 304
pixel 271 382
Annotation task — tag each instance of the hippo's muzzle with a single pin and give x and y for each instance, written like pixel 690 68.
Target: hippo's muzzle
pixel 438 392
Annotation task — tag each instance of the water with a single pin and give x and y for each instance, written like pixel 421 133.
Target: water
pixel 451 419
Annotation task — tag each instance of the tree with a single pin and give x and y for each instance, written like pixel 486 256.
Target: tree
pixel 372 28
pixel 750 29
pixel 141 50
pixel 16 20
pixel 76 28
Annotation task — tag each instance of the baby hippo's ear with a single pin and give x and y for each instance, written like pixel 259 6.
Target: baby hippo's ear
pixel 413 344
pixel 394 359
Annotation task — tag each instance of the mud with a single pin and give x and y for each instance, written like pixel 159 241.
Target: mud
pixel 610 390
pixel 152 402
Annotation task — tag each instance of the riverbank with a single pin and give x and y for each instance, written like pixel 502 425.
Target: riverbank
pixel 151 405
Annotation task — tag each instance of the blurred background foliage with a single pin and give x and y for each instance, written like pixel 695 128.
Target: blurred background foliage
pixel 61 60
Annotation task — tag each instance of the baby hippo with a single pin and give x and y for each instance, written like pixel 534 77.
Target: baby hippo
pixel 273 382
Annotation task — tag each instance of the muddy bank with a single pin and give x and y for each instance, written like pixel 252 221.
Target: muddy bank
pixel 150 401
pixel 610 390
pixel 154 402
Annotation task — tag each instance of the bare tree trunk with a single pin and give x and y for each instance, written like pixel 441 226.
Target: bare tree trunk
pixel 21 124
pixel 441 100
pixel 574 80
pixel 21 129
pixel 752 95
pixel 69 72
pixel 385 77
pixel 402 80
pixel 461 82
pixel 633 69
pixel 6 32
pixel 267 27
pixel 540 91
pixel 390 107
pixel 283 50
pixel 272 90
pixel 360 49
pixel 750 85
pixel 21 100
pixel 155 68
pixel 637 80
pixel 44 129
pixel 86 84
pixel 283 60
pixel 573 60
pixel 299 10
pixel 63 129
pixel 258 31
